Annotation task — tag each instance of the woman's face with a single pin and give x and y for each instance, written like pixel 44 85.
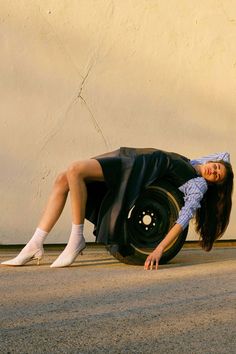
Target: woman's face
pixel 213 172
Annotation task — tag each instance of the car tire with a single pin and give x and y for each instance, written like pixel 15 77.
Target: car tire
pixel 148 221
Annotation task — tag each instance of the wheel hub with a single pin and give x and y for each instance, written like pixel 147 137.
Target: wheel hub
pixel 147 219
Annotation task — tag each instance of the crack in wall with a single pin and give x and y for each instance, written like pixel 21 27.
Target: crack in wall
pixel 93 119
pixel 83 81
pixel 95 124
pixel 55 130
pixel 59 125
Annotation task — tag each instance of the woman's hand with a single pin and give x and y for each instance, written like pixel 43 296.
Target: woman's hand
pixel 155 256
pixel 153 259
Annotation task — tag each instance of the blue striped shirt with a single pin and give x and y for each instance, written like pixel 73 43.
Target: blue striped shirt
pixel 195 188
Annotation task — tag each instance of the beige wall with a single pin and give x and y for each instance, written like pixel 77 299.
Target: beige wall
pixel 82 77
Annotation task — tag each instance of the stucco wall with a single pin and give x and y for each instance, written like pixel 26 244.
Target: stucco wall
pixel 79 78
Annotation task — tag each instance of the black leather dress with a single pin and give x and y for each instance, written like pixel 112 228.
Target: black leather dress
pixel 127 172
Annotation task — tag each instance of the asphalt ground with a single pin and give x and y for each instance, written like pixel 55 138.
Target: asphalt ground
pixel 99 305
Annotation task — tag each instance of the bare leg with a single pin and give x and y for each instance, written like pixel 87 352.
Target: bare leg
pixel 73 180
pixel 55 204
pixel 77 175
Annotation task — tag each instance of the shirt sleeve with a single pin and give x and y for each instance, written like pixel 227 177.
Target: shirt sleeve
pixel 225 156
pixel 193 190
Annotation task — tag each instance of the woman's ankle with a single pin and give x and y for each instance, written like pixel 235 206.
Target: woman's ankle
pixel 38 237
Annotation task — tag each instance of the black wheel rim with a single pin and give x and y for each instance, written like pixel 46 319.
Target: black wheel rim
pixel 153 214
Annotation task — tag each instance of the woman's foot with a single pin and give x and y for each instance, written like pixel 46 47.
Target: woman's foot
pixel 26 255
pixel 32 251
pixel 68 256
pixel 74 247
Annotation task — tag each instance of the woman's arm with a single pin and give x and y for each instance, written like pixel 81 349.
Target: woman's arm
pixel 225 156
pixel 193 190
pixel 155 256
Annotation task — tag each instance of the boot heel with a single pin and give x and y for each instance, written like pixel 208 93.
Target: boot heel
pixel 38 261
pixel 38 257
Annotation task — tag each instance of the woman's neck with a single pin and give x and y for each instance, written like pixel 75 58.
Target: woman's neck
pixel 198 169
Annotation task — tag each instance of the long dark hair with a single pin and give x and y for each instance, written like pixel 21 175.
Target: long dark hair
pixel 212 218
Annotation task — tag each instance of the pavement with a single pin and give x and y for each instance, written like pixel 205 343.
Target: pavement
pixel 99 305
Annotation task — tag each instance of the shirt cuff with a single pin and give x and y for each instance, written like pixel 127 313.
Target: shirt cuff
pixel 183 222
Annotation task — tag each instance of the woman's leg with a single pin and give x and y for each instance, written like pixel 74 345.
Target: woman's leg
pixel 56 203
pixel 84 170
pixel 77 175
pixel 72 180
pixel 54 207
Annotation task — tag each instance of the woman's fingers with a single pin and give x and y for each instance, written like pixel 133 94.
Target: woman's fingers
pixel 151 265
pixel 147 263
pixel 150 261
pixel 153 259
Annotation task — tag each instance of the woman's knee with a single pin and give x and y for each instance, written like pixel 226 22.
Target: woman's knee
pixel 85 169
pixel 61 181
pixel 77 169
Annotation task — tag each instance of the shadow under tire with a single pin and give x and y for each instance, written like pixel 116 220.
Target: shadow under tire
pixel 148 221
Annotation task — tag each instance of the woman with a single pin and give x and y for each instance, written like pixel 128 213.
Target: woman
pixel 103 189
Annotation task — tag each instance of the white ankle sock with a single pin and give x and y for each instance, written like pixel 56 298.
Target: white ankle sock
pixel 36 240
pixel 75 237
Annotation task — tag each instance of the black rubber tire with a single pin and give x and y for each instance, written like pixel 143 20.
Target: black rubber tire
pixel 149 220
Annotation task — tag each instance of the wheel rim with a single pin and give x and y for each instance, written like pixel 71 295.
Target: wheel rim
pixel 149 220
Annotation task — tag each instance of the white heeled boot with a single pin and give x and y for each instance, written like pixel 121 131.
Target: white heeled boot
pixel 24 257
pixel 68 256
pixel 32 251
